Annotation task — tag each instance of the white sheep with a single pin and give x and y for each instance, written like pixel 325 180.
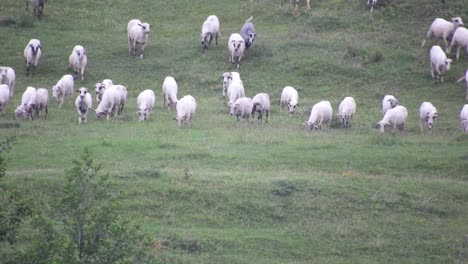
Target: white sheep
pixel 235 90
pixel 261 105
pixel 8 77
pixel 63 88
pixel 321 114
pixel 185 110
pixel 427 115
pixel 4 97
pixel 464 118
pixel 83 103
pixel 247 32
pixel 100 87
pixel 138 34
pixel 465 78
pixel 42 101
pixel 289 98
pixel 109 104
pixel 145 102
pixel 395 117
pixel 388 102
pixel 460 39
pixel 227 79
pixel 209 28
pixel 130 24
pixel 78 60
pixel 242 108
pixel 236 46
pixel 439 62
pixel 169 92
pixel 346 111
pixel 32 54
pixel 28 104
pixel 120 102
pixel 443 29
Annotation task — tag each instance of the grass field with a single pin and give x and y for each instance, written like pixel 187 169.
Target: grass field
pixel 227 192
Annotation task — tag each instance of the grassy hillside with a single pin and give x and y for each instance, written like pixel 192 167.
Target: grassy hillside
pixel 230 192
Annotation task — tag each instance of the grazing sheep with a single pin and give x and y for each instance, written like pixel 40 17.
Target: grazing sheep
pixel 443 29
pixel 38 7
pixel 465 78
pixel 261 104
pixel 247 32
pixel 236 46
pixel 100 87
pixel 320 114
pixel 209 28
pixel 346 111
pixel 395 117
pixel 78 60
pixel 235 91
pixel 42 101
pixel 242 107
pixel 388 102
pixel 83 103
pixel 227 79
pixel 169 93
pixel 4 97
pixel 185 110
pixel 460 38
pixel 32 54
pixel 28 104
pixel 63 88
pixel 439 62
pixel 138 34
pixel 109 104
pixel 8 77
pixel 427 115
pixel 464 118
pixel 145 102
pixel 289 98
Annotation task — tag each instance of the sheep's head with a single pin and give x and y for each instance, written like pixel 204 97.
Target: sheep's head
pixel 237 44
pixel 381 125
pixel 144 113
pixel 310 126
pixel 292 108
pixel 431 118
pixel 393 102
pixel 83 91
pixel 345 119
pixel 457 21
pixel 250 40
pixel 20 112
pixel 56 92
pixel 227 78
pixel 100 88
pixel 235 109
pixel 145 27
pixel 206 39
pixel 100 114
pixel 447 64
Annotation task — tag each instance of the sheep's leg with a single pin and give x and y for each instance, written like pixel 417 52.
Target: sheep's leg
pixel 432 71
pixel 216 39
pixel 266 114
pixel 458 52
pixel 260 117
pixel 308 4
pixel 46 112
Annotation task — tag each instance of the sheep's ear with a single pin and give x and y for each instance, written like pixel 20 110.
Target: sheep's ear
pixel 436 115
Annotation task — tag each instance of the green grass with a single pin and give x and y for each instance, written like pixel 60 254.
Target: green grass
pixel 270 193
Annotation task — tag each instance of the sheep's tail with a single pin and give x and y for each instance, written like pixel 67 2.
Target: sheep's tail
pixel 249 19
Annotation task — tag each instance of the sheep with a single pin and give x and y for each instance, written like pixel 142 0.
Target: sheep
pixel 100 87
pixel 247 32
pixel 235 90
pixel 443 29
pixel 227 79
pixel 185 110
pixel 460 38
pixel 388 102
pixel 439 62
pixel 320 114
pixel 395 117
pixel 78 60
pixel 28 104
pixel 236 46
pixel 8 77
pixel 169 93
pixel 145 102
pixel 289 98
pixel 371 4
pixel 427 115
pixel 42 101
pixel 261 104
pixel 4 97
pixel 63 88
pixel 120 102
pixel 32 54
pixel 242 107
pixel 464 118
pixel 209 28
pixel 83 103
pixel 346 111
pixel 138 34
pixel 109 103
pixel 465 78
pixel 38 6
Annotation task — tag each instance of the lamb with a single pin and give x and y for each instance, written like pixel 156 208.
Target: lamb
pixel 242 107
pixel 32 54
pixel 439 63
pixel 395 117
pixel 460 38
pixel 261 104
pixel 388 102
pixel 63 88
pixel 8 77
pixel 443 29
pixel 28 104
pixel 138 34
pixel 227 79
pixel 145 102
pixel 465 77
pixel 42 101
pixel 346 111
pixel 4 97
pixel 464 118
pixel 83 103
pixel 109 103
pixel 320 114
pixel 185 109
pixel 100 87
pixel 78 60
pixel 289 98
pixel 169 93
pixel 38 7
pixel 209 28
pixel 247 32
pixel 427 115
pixel 236 46
pixel 235 91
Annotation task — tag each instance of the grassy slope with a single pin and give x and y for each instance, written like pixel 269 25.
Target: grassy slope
pixel 269 193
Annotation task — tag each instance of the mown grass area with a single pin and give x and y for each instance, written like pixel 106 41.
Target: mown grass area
pixel 230 192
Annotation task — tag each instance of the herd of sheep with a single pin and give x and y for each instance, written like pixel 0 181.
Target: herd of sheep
pixel 111 98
